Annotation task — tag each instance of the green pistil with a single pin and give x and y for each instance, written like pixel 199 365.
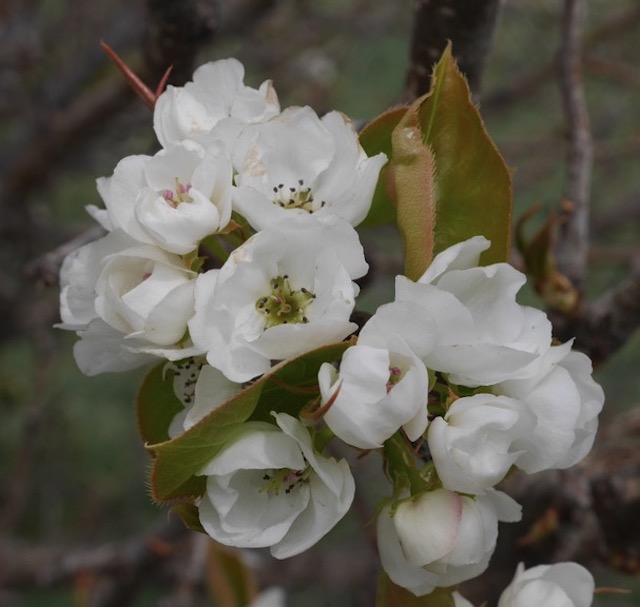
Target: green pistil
pixel 297 197
pixel 284 305
pixel 283 479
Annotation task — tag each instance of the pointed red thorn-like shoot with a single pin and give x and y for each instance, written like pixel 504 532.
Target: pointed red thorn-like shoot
pixel 163 83
pixel 141 89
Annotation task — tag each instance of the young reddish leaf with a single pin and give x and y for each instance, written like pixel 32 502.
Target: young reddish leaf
pixel 412 178
pixel 375 137
pixel 231 583
pixel 391 595
pixel 472 182
pixel 178 460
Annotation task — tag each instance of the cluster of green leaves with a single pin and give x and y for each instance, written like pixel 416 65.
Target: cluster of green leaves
pixel 445 182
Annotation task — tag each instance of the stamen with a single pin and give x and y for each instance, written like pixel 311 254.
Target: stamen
pixel 285 304
pixel 297 197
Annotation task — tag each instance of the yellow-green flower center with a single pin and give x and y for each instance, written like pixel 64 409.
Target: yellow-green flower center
pixel 284 304
pixel 285 478
pixel 296 197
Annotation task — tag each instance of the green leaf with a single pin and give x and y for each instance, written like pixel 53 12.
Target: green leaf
pixel 156 405
pixel 375 137
pixel 287 387
pixel 472 181
pixel 391 595
pixel 412 177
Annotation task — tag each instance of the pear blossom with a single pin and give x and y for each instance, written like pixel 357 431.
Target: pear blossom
pixel 441 538
pixel 559 585
pixel 486 336
pixel 269 488
pixel 200 388
pixel 146 293
pixel 286 290
pixel 172 200
pixel 381 385
pixel 477 441
pixel 565 401
pixel 299 164
pixel 129 304
pixel 215 105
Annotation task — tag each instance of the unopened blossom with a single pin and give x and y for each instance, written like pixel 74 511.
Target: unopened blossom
pixel 269 488
pixel 201 389
pixel 286 290
pixel 566 401
pixel 559 585
pixel 478 440
pixel 300 164
pixel 215 105
pixel 381 385
pixel 485 335
pixel 172 200
pixel 441 538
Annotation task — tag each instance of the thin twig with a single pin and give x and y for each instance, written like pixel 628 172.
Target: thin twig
pixel 519 89
pixel 572 247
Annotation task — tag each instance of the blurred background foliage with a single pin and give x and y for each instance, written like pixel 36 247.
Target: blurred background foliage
pixel 72 468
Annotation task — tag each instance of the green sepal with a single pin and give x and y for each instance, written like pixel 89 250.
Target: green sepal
pixel 189 515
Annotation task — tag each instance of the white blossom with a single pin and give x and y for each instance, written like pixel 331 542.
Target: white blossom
pixel 485 335
pixel 559 585
pixel 215 105
pixel 129 304
pixel 441 538
pixel 477 441
pixel 269 488
pixel 299 164
pixel 381 385
pixel 565 401
pixel 146 293
pixel 285 291
pixel 173 199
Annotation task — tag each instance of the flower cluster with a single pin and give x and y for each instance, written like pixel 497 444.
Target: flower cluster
pixel 499 395
pixel 234 248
